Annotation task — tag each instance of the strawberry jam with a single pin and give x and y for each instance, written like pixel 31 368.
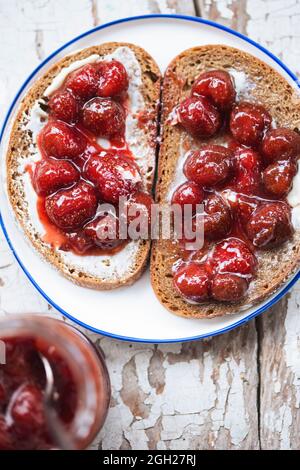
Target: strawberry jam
pixel 22 381
pixel 80 392
pixel 198 116
pixel 216 85
pixel 76 174
pixel 243 187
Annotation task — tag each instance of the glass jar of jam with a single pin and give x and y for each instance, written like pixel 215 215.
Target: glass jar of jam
pixel 81 391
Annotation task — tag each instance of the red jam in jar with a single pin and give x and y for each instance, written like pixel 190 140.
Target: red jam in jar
pixel 81 391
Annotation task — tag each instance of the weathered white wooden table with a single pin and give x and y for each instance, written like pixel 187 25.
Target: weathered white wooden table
pixel 237 391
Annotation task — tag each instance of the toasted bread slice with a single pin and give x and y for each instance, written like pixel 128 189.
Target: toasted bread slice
pixel 256 82
pixel 100 272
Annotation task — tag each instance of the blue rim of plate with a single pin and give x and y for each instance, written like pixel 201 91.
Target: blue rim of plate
pixel 259 310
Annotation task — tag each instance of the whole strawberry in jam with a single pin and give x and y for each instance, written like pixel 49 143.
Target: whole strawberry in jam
pixel 246 206
pixel 242 205
pixel 113 176
pixel 90 150
pixel 248 123
pixel 64 106
pixel 51 175
pixel 113 79
pixel 270 225
pixel 234 146
pixel 104 231
pixel 217 85
pixel 247 171
pixel 232 255
pixel 84 81
pixel 79 242
pixel 278 177
pixel 209 165
pixel 60 140
pixel 27 411
pixel 188 193
pixel 70 209
pixel 280 144
pixel 228 287
pixel 198 116
pixel 104 117
pixel 193 281
pixel 217 217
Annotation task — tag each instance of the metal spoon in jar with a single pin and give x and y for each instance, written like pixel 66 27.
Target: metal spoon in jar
pixel 56 428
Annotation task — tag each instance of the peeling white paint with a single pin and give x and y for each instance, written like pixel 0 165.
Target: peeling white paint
pixel 202 404
pixel 275 24
pixel 286 423
pixel 292 340
pixel 236 416
pixel 277 386
pixel 119 418
pixel 142 364
pixel 164 7
pixel 224 7
pixel 223 388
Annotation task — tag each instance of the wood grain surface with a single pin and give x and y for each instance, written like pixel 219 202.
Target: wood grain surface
pixel 237 391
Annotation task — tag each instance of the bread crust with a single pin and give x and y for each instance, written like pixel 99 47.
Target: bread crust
pixel 267 87
pixel 19 145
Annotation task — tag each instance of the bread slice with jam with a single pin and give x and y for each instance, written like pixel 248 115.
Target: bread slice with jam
pixel 257 83
pixel 99 269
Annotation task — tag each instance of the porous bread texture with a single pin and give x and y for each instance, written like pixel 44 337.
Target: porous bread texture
pixel 263 85
pixel 135 255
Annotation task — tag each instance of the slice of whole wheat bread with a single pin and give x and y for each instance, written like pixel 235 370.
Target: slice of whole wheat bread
pixel 100 272
pixel 262 84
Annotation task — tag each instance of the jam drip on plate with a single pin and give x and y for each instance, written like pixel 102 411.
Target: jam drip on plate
pixel 86 161
pixel 243 187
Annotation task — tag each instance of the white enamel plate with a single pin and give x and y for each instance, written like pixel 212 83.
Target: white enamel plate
pixel 130 313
